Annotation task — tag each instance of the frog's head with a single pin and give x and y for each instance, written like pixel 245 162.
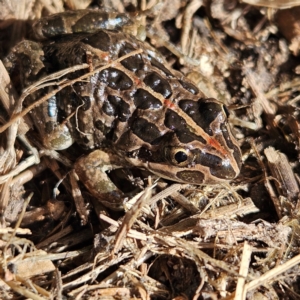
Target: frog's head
pixel 197 148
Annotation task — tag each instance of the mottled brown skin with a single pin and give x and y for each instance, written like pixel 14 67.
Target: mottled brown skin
pixel 148 115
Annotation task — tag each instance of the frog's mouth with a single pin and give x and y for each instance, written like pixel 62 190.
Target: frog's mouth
pixel 189 174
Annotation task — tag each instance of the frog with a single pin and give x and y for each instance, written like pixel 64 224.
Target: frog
pixel 129 108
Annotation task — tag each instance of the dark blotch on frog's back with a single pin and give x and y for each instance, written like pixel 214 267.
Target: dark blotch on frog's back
pixel 115 79
pixel 99 40
pixel 147 131
pixel 180 127
pixel 189 87
pixel 155 63
pixel 132 63
pixel 158 84
pixel 144 100
pixel 202 112
pixel 117 107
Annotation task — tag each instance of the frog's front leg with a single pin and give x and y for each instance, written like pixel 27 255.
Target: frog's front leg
pixel 91 171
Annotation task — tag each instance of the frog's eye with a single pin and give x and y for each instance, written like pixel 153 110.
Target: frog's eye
pixel 179 156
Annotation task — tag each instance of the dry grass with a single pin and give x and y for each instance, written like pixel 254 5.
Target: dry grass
pixel 174 241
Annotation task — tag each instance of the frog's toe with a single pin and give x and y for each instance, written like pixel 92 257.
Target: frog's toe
pixel 59 139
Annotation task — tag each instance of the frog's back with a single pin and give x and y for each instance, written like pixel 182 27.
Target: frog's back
pixel 126 85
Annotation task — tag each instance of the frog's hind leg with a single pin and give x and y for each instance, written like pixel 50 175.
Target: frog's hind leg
pixel 91 171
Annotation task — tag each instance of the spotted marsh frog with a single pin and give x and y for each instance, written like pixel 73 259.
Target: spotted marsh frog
pixel 148 115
